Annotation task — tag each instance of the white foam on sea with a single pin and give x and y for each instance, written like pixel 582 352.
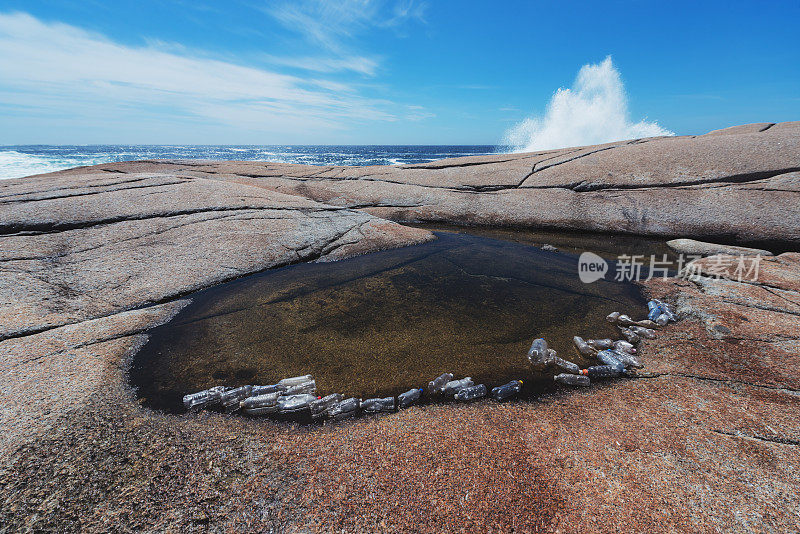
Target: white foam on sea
pixel 593 111
pixel 14 164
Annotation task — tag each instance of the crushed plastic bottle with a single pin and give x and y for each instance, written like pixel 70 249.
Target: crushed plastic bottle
pixel 566 365
pixel 583 347
pixel 404 400
pixel 309 387
pixel 572 380
pixel 629 334
pixel 320 406
pixel 295 403
pixel 345 408
pixel 263 390
pixel 436 385
pixel 204 398
pixel 506 390
pixel 610 358
pixel 658 308
pixel 613 317
pixel 264 410
pixel 601 371
pixel 453 386
pixel 627 359
pixel 378 405
pixel 600 344
pixel 260 401
pixel 230 399
pixel 624 346
pixel 647 333
pixel 470 393
pixel 295 380
pixel 647 323
pixel 662 319
pixel 539 355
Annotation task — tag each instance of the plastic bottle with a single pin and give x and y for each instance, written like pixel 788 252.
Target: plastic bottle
pixel 295 403
pixel 566 365
pixel 601 371
pixel 629 334
pixel 295 380
pixel 263 390
pixel 320 406
pixel 230 399
pixel 600 344
pixel 625 320
pixel 662 319
pixel 404 400
pixel 264 410
pixel 345 408
pixel 583 347
pixel 506 390
pixel 259 401
pixel 572 380
pixel 609 358
pixel 612 317
pixel 539 355
pixel 453 386
pixel 436 385
pixel 204 398
pixel 624 346
pixel 470 393
pixel 646 323
pixel 665 309
pixel 309 387
pixel 378 405
pixel 646 333
pixel 628 360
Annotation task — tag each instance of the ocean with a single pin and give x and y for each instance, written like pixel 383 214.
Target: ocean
pixel 25 160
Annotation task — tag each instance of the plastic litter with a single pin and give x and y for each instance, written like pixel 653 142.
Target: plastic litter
pixel 263 390
pixel 378 405
pixel 613 317
pixel 453 386
pixel 629 335
pixel 566 365
pixel 436 385
pixel 260 401
pixel 583 346
pixel 627 359
pixel 320 406
pixel 657 308
pixel 230 399
pixel 309 387
pixel 404 400
pixel 572 380
pixel 662 319
pixel 294 381
pixel 647 333
pixel 600 344
pixel 624 346
pixel 610 358
pixel 539 355
pixel 345 408
pixel 506 390
pixel 470 393
pixel 204 398
pixel 295 403
pixel 601 371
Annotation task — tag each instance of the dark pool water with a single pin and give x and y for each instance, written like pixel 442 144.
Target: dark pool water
pixel 382 323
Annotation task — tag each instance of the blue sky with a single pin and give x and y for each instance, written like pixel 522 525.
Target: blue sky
pixel 378 72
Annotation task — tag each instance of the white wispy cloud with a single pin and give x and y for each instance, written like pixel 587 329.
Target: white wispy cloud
pixel 56 69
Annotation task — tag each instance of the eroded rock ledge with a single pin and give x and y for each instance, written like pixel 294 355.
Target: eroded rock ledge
pixel 92 257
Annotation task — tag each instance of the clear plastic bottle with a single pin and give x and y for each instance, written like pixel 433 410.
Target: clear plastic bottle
pixel 662 319
pixel 264 410
pixel 309 387
pixel 201 399
pixel 404 400
pixel 320 406
pixel 539 355
pixel 263 390
pixel 583 347
pixel 453 386
pixel 612 317
pixel 260 401
pixel 506 390
pixel 572 380
pixel 295 380
pixel 295 403
pixel 610 358
pixel 665 309
pixel 647 333
pixel 566 365
pixel 600 344
pixel 378 405
pixel 345 408
pixel 230 399
pixel 629 335
pixel 625 320
pixel 436 385
pixel 601 371
pixel 647 323
pixel 627 359
pixel 624 346
pixel 470 393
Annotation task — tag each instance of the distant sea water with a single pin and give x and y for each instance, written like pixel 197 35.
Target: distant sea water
pixel 25 160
